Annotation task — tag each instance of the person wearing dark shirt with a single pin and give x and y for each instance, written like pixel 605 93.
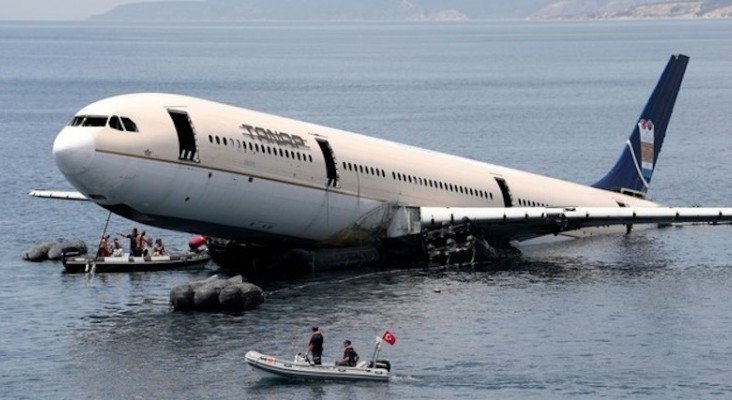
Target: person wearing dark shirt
pixel 350 357
pixel 315 346
pixel 134 250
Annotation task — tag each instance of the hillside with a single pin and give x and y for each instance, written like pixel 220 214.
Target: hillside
pixel 411 10
pixel 633 9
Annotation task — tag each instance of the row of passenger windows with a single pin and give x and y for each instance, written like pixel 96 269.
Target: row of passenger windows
pixel 115 122
pixel 417 180
pixel 529 203
pixel 442 185
pixel 364 170
pixel 260 148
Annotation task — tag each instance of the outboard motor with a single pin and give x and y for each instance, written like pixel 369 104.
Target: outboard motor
pixel 381 364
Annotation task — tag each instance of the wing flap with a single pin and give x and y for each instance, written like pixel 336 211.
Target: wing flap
pixel 58 195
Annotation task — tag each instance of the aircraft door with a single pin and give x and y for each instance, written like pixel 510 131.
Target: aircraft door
pixel 187 148
pixel 505 191
pixel 331 168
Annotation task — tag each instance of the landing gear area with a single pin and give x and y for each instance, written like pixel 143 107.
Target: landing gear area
pixel 460 242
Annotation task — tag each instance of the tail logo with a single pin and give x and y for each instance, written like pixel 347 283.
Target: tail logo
pixel 645 128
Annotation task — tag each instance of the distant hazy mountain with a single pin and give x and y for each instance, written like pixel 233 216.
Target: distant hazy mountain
pixel 323 10
pixel 634 9
pixel 411 10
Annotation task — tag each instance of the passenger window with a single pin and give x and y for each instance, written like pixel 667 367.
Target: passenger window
pixel 115 123
pixel 218 140
pixel 129 125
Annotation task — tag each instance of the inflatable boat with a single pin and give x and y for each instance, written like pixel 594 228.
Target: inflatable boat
pixel 301 368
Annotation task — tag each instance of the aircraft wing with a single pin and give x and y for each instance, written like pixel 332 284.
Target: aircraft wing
pixel 57 194
pixel 518 223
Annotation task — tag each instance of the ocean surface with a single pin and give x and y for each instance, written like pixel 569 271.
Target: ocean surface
pixel 647 315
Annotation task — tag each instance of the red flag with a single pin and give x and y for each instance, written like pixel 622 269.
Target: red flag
pixel 389 338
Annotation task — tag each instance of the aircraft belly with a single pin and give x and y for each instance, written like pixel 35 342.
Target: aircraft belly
pixel 254 204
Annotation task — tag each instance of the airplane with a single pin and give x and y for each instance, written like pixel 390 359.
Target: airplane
pixel 263 184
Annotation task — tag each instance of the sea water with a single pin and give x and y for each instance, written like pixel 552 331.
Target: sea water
pixel 642 315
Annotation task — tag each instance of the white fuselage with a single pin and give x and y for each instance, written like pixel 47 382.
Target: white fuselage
pixel 250 176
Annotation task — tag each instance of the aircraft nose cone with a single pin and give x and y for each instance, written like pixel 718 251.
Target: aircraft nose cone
pixel 73 151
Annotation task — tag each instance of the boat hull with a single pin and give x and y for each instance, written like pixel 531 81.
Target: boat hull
pixel 133 264
pixel 269 366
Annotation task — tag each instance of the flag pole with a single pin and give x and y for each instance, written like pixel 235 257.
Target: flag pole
pixel 376 352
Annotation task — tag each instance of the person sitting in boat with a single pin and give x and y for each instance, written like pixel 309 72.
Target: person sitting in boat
pixel 159 248
pixel 350 357
pixel 103 250
pixel 315 346
pixel 116 248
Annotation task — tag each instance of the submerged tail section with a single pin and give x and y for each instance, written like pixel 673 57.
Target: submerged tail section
pixel 633 171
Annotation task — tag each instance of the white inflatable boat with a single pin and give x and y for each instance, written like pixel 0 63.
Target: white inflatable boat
pixel 301 368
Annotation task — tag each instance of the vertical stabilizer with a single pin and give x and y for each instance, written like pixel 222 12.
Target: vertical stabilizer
pixel 633 171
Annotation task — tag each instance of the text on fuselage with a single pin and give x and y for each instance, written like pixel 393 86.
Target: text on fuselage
pixel 273 137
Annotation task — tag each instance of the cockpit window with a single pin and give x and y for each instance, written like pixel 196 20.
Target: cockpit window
pixel 129 125
pixel 115 123
pixel 77 120
pixel 94 121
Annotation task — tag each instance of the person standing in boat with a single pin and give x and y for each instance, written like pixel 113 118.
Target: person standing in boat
pixel 103 250
pixel 315 346
pixel 133 242
pixel 142 244
pixel 350 357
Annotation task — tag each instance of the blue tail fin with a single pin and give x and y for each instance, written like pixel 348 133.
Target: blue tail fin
pixel 633 170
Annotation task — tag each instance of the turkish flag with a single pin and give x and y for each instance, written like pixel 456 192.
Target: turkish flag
pixel 389 338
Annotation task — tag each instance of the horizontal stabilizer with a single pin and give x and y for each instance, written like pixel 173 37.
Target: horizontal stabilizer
pixel 57 194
